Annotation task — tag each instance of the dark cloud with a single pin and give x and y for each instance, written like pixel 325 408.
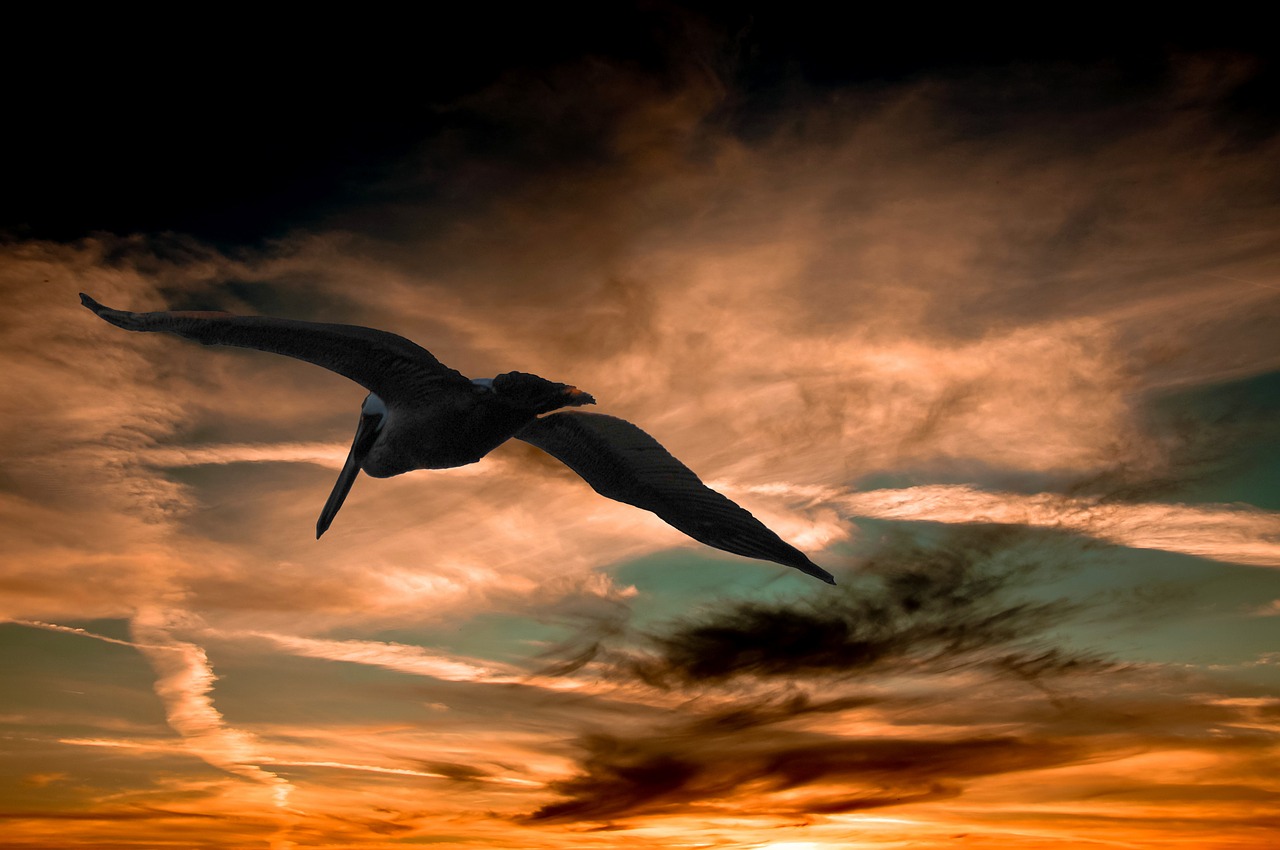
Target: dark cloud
pixel 765 758
pixel 386 825
pixel 697 771
pixel 742 716
pixel 461 773
pixel 920 605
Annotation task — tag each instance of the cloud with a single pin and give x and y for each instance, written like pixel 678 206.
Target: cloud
pixel 793 756
pixel 450 772
pixel 770 315
pixel 324 454
pixel 966 288
pixel 933 605
pixel 71 630
pixel 391 656
pixel 107 815
pixel 627 778
pixel 1235 533
pixel 184 680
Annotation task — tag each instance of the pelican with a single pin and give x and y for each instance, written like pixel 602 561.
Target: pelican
pixel 420 414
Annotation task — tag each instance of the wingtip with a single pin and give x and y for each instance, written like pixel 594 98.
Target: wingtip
pixel 810 568
pixel 119 318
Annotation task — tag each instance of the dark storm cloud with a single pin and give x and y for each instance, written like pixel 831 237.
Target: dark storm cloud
pixel 929 605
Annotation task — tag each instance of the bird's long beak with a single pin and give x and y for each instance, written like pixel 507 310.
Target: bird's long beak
pixel 366 434
pixel 574 397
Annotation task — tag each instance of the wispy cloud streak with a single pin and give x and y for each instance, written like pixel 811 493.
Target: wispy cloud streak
pixel 323 454
pixel 184 682
pixel 1238 534
pixel 72 630
pixel 390 656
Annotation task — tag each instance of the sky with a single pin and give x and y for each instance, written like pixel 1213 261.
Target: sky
pixel 984 325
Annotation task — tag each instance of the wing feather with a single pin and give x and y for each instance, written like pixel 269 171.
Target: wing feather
pixel 398 370
pixel 623 463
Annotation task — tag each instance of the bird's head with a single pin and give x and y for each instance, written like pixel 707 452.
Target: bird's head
pixel 538 395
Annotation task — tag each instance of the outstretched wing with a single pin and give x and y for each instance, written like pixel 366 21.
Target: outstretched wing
pixel 398 370
pixel 622 462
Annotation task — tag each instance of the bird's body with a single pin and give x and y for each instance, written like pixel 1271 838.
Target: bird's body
pixel 420 414
pixel 459 428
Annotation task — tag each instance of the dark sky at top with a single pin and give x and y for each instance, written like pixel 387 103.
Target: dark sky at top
pixel 234 129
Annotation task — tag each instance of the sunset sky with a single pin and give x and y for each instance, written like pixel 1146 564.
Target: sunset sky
pixel 988 327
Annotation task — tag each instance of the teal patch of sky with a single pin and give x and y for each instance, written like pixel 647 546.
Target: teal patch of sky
pixel 75 682
pixel 503 638
pixel 1234 427
pixel 283 696
pixel 1225 440
pixel 675 583
pixel 257 684
pixel 43 775
pixel 1145 605
pixel 1132 604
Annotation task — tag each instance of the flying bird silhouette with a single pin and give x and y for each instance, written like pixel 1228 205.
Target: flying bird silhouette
pixel 420 414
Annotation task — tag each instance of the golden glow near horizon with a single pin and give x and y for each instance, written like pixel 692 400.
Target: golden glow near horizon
pixel 1014 408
